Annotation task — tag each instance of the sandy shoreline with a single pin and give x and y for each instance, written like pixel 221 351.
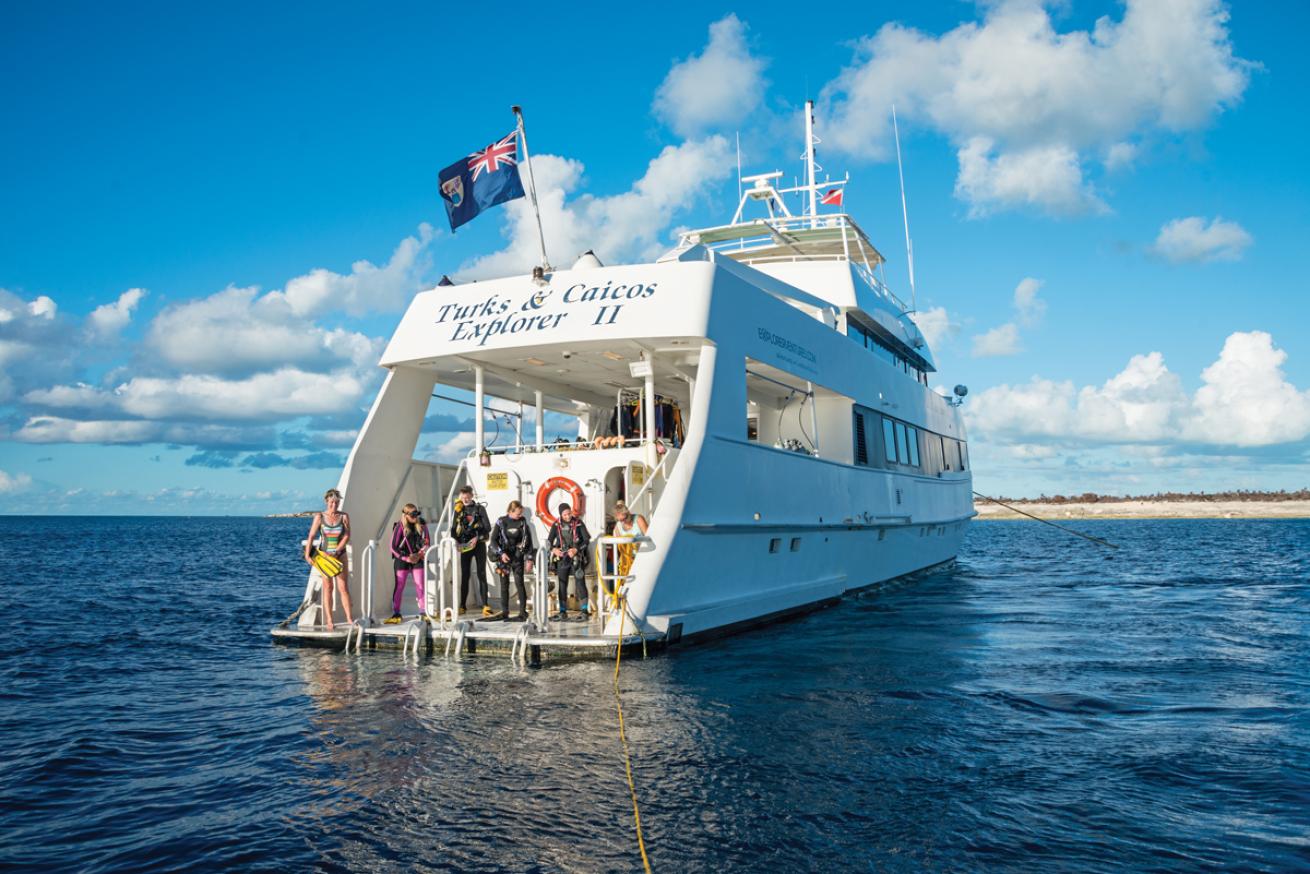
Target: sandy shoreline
pixel 1153 510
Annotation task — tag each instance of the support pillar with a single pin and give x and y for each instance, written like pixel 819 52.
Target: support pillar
pixel 478 401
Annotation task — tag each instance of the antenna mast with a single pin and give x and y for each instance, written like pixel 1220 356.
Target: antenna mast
pixel 905 213
pixel 809 157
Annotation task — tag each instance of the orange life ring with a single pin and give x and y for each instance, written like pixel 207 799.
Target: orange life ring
pixel 548 488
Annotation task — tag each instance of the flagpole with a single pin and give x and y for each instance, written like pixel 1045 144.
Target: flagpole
pixel 532 185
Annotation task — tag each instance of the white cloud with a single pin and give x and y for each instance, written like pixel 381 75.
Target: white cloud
pixel 1047 177
pixel 936 326
pixel 1006 340
pixel 1120 156
pixel 1039 97
pixel 1030 308
pixel 13 483
pixel 1191 239
pixel 43 308
pixel 715 89
pixel 1245 400
pixel 367 288
pixel 454 449
pixel 55 429
pixel 109 319
pixel 998 342
pixel 284 393
pixel 617 227
pixel 34 344
pixel 239 331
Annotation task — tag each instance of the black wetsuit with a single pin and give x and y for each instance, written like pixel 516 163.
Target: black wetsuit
pixel 469 523
pixel 513 537
pixel 565 536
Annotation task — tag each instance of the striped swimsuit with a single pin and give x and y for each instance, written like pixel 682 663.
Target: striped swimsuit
pixel 332 534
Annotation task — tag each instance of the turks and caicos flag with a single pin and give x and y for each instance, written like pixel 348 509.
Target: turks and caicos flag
pixel 482 180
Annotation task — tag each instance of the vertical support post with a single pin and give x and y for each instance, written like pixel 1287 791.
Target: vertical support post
pixel 477 408
pixel 518 430
pixel 648 408
pixel 541 422
pixel 814 415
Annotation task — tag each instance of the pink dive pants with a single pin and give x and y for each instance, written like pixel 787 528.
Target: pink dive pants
pixel 402 577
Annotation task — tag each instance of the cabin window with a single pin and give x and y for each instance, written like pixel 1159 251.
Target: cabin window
pixel 963 455
pixel 795 544
pixel 775 543
pixel 914 446
pixel 902 450
pixel 861 448
pixel 946 456
pixel 889 439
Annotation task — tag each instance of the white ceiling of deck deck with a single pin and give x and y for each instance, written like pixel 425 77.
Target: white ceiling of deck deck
pixel 590 372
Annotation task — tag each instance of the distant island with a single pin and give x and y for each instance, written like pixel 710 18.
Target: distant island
pixel 1239 504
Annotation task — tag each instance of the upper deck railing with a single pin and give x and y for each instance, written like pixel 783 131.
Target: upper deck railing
pixel 834 237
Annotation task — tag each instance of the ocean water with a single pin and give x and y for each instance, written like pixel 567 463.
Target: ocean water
pixel 1044 705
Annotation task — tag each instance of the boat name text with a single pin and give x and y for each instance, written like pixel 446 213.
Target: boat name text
pixel 498 315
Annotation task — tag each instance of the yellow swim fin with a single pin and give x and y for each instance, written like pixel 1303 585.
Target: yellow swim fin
pixel 329 565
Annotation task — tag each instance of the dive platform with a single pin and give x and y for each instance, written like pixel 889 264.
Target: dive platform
pixel 523 642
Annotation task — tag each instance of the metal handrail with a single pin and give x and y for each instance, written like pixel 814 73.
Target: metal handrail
pixel 541 590
pixel 431 586
pixel 612 543
pixel 446 550
pixel 369 552
pixel 657 470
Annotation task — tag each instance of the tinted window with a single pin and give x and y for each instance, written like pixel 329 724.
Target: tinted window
pixel 861 453
pixel 902 451
pixel 914 446
pixel 888 440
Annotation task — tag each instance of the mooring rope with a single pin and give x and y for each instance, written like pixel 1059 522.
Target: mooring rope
pixel 627 756
pixel 1048 522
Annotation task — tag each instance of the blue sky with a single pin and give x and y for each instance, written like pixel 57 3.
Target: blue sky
pixel 214 219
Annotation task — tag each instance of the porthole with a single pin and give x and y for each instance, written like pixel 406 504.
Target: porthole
pixel 775 543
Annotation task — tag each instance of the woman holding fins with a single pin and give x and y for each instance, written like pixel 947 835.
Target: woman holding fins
pixel 332 527
pixel 409 542
pixel 512 545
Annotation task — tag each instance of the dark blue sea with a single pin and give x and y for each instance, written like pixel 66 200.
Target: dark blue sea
pixel 1045 705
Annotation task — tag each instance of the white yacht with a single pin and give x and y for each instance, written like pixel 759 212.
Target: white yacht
pixel 758 394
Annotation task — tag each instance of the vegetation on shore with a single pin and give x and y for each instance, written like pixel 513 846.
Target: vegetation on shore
pixel 1168 497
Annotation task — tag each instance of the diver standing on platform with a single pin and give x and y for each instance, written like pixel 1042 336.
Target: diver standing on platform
pixel 568 549
pixel 470 528
pixel 512 546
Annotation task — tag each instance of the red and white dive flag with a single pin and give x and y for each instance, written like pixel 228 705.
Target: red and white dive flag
pixel 832 197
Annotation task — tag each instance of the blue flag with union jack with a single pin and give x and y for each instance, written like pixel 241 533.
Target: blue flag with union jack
pixel 482 180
